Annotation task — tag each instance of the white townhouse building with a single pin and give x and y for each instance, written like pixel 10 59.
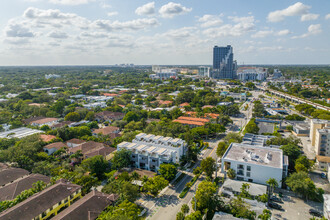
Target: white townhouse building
pixel 255 163
pixel 149 151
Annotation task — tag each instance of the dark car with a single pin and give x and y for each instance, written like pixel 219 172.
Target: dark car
pixel 274 205
pixel 316 213
pixel 276 199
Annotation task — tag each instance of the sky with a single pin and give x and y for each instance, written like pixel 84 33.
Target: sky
pixel 182 32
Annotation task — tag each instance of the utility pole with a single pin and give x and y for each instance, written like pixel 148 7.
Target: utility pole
pixel 195 199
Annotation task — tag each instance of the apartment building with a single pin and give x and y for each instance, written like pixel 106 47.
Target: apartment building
pixel 322 141
pixel 255 163
pixel 149 151
pixel 46 203
pixel 315 125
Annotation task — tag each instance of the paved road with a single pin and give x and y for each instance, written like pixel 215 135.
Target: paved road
pixel 168 204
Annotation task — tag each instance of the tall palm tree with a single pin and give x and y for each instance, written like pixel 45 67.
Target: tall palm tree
pixel 272 184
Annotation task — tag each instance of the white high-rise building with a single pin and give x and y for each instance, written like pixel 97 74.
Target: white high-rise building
pixel 204 71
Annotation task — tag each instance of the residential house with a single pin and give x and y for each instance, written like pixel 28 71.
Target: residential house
pixel 92 148
pixel 89 207
pixel 45 121
pixel 74 142
pixel 149 151
pixel 106 131
pixel 10 191
pixel 8 175
pixel 51 148
pixel 46 203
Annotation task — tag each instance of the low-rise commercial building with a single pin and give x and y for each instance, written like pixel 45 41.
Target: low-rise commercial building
pixel 19 133
pixel 233 187
pixel 149 151
pixel 255 163
pixel 253 139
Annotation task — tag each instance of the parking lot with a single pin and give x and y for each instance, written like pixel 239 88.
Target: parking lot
pixel 295 208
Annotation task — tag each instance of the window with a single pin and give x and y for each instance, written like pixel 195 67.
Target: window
pixel 240 178
pixel 248 174
pixel 250 180
pixel 240 166
pixel 248 168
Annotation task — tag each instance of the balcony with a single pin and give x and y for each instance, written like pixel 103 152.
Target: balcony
pixel 143 160
pixel 240 172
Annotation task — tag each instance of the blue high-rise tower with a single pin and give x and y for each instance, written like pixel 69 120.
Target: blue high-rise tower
pixel 224 66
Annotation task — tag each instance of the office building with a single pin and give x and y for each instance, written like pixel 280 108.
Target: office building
pixel 255 163
pixel 204 71
pixel 224 66
pixel 149 151
pixel 252 73
pixel 315 125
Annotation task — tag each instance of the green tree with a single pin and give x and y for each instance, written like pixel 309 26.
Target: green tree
pixel 293 152
pixel 121 159
pixel 194 216
pixel 231 173
pixel 168 171
pixel 90 116
pixel 204 195
pixel 221 149
pixel 124 189
pixel 266 215
pixel 180 216
pixel 72 116
pixel 185 209
pixel 208 166
pixel 245 191
pixel 125 210
pixel 131 116
pixel 272 182
pixel 155 185
pixel 96 165
pixel 251 127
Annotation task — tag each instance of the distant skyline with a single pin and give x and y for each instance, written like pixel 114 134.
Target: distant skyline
pixel 107 32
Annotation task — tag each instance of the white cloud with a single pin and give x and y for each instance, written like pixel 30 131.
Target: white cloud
pixel 283 32
pixel 184 32
pixel 243 25
pixel 210 21
pixel 309 17
pixel 262 34
pixel 70 2
pixel 298 9
pixel 172 9
pixel 112 13
pixel 147 9
pixel 58 35
pixel 18 30
pixel 327 17
pixel 313 29
pixel 137 24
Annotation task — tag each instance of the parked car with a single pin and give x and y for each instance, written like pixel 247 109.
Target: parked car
pixel 323 176
pixel 276 199
pixel 274 205
pixel 316 213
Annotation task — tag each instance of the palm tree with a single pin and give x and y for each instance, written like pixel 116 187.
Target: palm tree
pixel 135 176
pixel 272 184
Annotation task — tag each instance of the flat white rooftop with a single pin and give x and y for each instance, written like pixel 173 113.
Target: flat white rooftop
pixel 19 133
pixel 246 153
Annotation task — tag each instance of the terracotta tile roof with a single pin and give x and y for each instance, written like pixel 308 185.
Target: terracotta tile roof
pixel 40 202
pixel 57 145
pixel 110 94
pixel 207 106
pixel 87 147
pixel 47 138
pixel 186 122
pixel 89 207
pixel 30 120
pixel 10 191
pixel 184 104
pixel 44 120
pixel 11 174
pixel 76 141
pixel 165 102
pixel 141 172
pixel 103 151
pixel 106 130
pixel 61 124
pixel 194 119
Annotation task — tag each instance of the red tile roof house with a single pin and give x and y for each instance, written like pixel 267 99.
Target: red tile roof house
pixel 51 148
pixel 89 207
pixel 74 142
pixel 47 138
pixel 106 131
pixel 92 148
pixel 45 121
